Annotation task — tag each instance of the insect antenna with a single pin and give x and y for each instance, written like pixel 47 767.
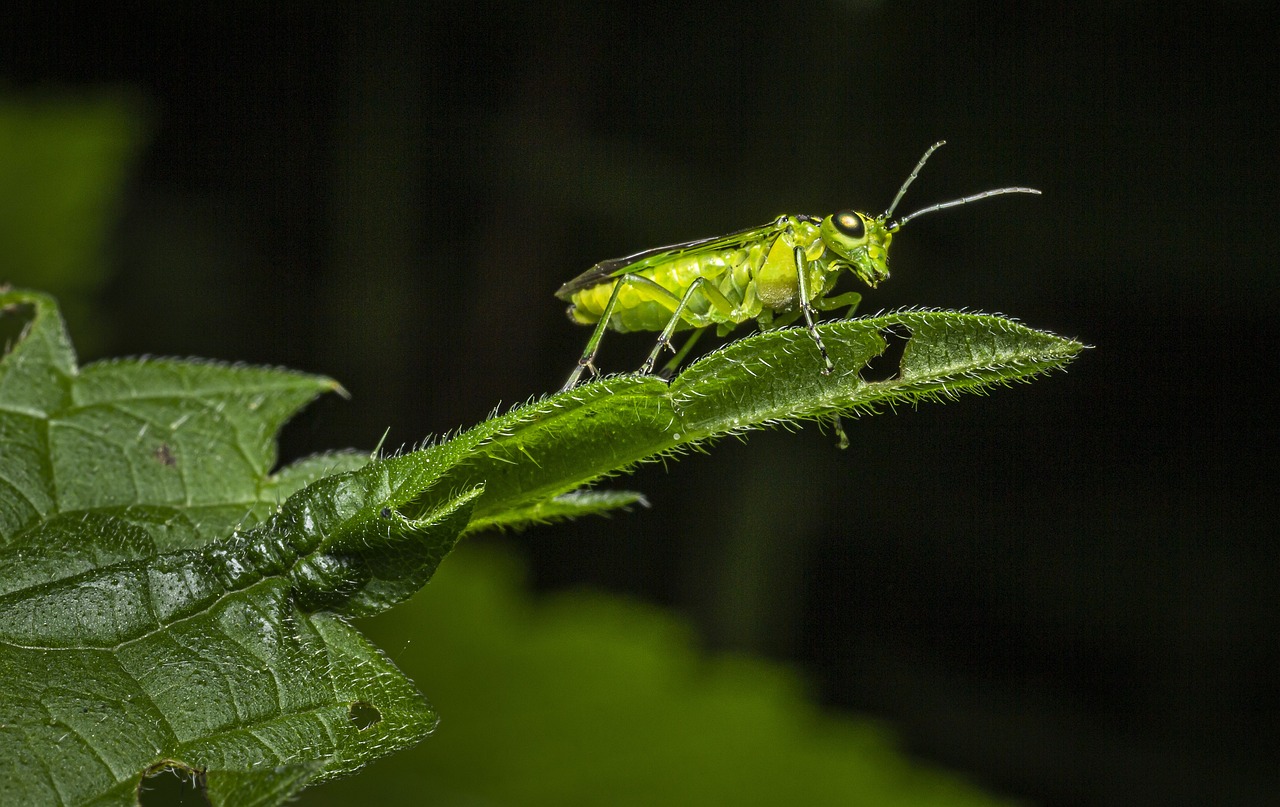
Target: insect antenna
pixel 915 172
pixel 894 226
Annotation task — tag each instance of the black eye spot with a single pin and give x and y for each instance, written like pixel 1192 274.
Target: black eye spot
pixel 849 223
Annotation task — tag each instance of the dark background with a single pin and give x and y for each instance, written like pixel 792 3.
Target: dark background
pixel 1067 589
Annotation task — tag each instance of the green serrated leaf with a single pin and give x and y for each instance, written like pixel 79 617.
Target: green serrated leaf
pixel 294 477
pixel 534 453
pixel 193 439
pixel 262 787
pixel 169 781
pixel 137 627
pixel 164 598
pixel 575 504
pixel 224 656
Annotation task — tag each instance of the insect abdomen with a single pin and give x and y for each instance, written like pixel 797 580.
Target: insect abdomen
pixel 641 307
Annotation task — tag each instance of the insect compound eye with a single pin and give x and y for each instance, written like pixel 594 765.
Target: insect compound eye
pixel 849 224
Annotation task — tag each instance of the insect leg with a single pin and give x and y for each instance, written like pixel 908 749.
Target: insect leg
pixel 586 362
pixel 851 299
pixel 713 295
pixel 807 309
pixel 593 344
pixel 842 439
pixel 782 320
pixel 670 367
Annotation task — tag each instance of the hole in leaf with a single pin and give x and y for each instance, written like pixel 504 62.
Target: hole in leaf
pixel 169 783
pixel 14 321
pixel 888 365
pixel 364 715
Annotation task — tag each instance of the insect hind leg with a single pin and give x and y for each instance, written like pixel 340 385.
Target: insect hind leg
pixel 587 361
pixel 669 368
pixel 681 313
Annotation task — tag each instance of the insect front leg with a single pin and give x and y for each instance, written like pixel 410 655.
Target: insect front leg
pixel 851 299
pixel 807 309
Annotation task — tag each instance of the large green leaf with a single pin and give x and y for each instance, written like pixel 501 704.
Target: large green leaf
pixel 138 624
pixel 165 601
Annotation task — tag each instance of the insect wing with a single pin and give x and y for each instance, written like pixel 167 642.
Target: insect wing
pixel 658 255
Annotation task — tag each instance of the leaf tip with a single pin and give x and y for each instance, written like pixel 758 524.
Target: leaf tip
pixel 335 386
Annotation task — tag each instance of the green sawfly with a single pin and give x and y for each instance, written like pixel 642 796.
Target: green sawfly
pixel 774 274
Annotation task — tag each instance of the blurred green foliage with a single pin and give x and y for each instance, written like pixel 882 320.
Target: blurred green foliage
pixel 64 164
pixel 586 698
